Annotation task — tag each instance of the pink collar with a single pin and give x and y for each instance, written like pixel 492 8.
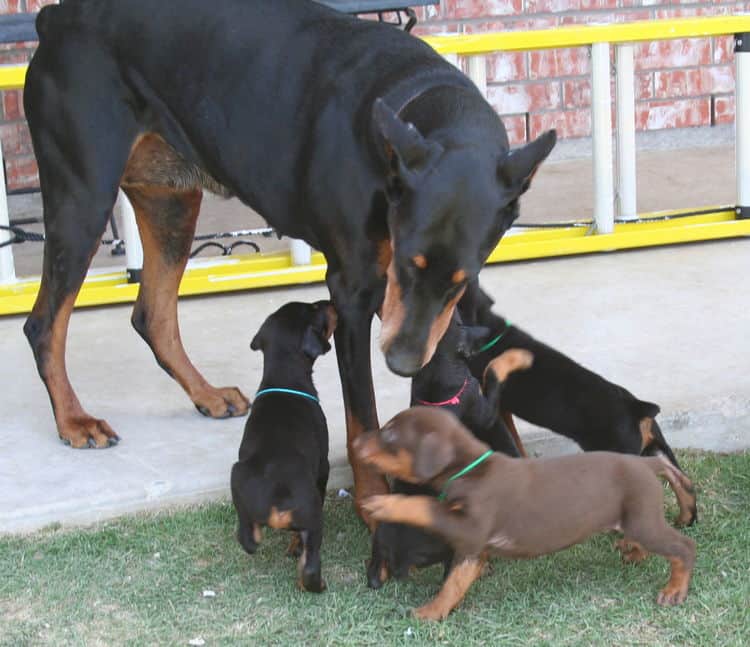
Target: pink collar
pixel 456 399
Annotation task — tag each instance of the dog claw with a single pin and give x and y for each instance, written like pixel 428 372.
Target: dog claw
pixel 231 410
pixel 203 411
pixel 91 443
pixel 111 442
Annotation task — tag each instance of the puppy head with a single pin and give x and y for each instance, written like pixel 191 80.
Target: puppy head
pixel 415 446
pixel 298 327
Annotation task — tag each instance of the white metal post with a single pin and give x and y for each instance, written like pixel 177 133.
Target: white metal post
pixel 625 107
pixel 601 126
pixel 133 249
pixel 742 123
pixel 7 268
pixel 478 72
pixel 301 252
pixel 453 60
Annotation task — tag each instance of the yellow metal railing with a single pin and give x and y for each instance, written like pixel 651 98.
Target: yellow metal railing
pixel 268 270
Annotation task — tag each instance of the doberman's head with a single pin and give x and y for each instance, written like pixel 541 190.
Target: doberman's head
pixel 416 445
pixel 449 205
pixel 298 328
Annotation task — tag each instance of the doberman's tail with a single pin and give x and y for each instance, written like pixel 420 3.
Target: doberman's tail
pixel 682 487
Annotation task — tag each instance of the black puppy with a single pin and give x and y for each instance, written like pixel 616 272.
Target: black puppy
pixel 447 383
pixel 558 393
pixel 281 476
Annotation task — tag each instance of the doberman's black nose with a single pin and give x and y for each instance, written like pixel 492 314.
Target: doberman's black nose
pixel 405 362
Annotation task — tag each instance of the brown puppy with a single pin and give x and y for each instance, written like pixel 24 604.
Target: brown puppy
pixel 520 508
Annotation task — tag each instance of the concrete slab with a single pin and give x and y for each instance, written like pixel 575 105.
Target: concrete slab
pixel 670 324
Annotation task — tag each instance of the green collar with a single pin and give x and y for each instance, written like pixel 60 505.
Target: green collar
pixel 465 470
pixel 494 341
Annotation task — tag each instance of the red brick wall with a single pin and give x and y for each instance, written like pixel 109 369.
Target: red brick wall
pixel 679 83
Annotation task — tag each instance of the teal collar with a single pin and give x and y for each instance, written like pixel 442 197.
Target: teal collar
pixel 302 394
pixel 465 470
pixel 494 341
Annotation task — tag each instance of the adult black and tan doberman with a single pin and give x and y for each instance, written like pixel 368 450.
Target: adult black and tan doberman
pixel 348 134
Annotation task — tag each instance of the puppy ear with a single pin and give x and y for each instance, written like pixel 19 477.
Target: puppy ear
pixel 313 344
pixel 517 169
pixel 471 339
pixel 434 454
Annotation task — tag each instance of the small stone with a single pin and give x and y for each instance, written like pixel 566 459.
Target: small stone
pixel 197 642
pixel 208 593
pixel 344 494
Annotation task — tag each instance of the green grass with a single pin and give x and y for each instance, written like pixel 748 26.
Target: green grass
pixel 139 581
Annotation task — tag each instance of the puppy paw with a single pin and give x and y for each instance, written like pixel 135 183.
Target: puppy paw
pixel 382 507
pixel 671 595
pixel 431 611
pixel 630 552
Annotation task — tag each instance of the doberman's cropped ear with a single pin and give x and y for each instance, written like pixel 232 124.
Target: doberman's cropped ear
pixel 517 169
pixel 434 454
pixel 408 152
pixel 471 339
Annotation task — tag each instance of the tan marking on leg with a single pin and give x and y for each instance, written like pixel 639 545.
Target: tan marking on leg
pixel 279 518
pixel 507 417
pixel 257 533
pixel 439 326
pixel 301 562
pixel 511 360
pixel 166 220
pixel 676 589
pixel 74 425
pixel 295 545
pixel 682 487
pixel 461 577
pixel 367 480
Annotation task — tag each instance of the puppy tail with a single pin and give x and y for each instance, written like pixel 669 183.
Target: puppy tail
pixel 682 487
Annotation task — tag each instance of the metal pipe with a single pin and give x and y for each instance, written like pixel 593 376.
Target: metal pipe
pixel 7 267
pixel 742 125
pixel 625 109
pixel 601 130
pixel 478 72
pixel 133 248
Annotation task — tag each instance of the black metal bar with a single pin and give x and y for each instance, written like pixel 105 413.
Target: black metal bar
pixel 374 6
pixel 17 28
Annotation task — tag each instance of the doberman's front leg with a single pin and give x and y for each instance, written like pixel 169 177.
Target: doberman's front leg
pixel 352 338
pixel 463 574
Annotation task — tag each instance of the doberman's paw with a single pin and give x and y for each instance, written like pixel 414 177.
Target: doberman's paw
pixel 382 506
pixel 630 552
pixel 84 432
pixel 431 611
pixel 221 403
pixel 671 595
